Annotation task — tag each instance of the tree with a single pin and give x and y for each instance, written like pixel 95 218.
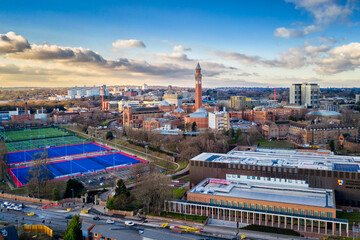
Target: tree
pixel 332 145
pixel 56 195
pixel 109 135
pixel 73 230
pixel 77 187
pixel 3 159
pixel 152 191
pixel 193 127
pixel 38 173
pixel 121 188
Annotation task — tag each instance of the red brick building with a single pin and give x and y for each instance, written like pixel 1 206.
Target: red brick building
pixel 198 87
pixel 200 117
pixel 135 117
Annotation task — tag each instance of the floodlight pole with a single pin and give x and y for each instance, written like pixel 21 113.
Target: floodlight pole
pixel 146 149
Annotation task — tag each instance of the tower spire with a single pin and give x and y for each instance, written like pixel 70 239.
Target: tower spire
pixel 198 87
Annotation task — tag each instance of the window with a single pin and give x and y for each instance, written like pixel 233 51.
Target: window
pixel 322 214
pixel 283 210
pixel 218 202
pixel 235 204
pixel 246 205
pixel 296 211
pixel 258 207
pixel 252 206
pixel 271 208
pixel 223 202
pixel 289 210
pixel 329 215
pixel 264 207
pixel 276 209
pixel 316 213
pixel 212 201
pixel 302 212
pixel 229 203
pixel 308 213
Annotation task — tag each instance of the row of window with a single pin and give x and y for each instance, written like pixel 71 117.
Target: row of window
pixel 284 210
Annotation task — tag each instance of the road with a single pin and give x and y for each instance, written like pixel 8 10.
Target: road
pixel 54 217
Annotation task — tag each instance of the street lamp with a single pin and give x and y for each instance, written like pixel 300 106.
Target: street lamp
pixel 146 149
pixel 72 193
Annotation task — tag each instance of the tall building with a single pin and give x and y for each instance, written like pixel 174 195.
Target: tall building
pixel 357 98
pixel 198 87
pixel 307 94
pixel 219 120
pixel 237 102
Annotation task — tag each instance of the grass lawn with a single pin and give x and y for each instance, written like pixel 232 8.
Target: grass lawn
pixel 193 218
pixel 274 144
pixel 179 192
pixel 271 230
pixel 187 178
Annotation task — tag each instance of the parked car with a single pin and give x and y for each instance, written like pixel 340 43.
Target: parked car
pixel 68 217
pixel 109 221
pixel 129 223
pixel 96 218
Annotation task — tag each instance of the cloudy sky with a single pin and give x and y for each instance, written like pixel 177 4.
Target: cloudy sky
pixel 238 43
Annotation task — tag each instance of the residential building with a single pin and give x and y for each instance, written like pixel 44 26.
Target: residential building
pixel 275 130
pixel 219 121
pixel 357 98
pixel 321 133
pixel 307 94
pixel 64 117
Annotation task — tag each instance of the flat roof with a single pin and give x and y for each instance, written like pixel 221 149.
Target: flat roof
pixel 301 195
pixel 285 158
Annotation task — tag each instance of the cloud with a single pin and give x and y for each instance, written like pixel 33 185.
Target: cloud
pixel 296 33
pixel 131 43
pixel 180 48
pixel 11 42
pixel 174 57
pixel 340 59
pixel 329 40
pixel 325 11
pixel 240 57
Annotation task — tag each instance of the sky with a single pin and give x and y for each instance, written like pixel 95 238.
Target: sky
pixel 241 43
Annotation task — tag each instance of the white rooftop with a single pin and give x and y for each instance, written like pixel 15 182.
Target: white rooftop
pixel 267 192
pixel 285 158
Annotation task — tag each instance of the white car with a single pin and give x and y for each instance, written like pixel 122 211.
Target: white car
pixel 109 221
pixel 129 223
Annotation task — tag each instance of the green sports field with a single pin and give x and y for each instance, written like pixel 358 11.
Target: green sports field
pixel 33 134
pixel 40 143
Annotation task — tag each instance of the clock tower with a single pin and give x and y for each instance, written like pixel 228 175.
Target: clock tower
pixel 198 87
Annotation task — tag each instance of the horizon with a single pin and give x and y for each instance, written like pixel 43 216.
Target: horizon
pixel 242 44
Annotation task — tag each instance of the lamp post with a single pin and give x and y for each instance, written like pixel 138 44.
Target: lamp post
pixel 72 193
pixel 146 150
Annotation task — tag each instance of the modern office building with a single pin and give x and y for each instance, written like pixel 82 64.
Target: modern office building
pixel 237 102
pixel 320 169
pixel 78 92
pixel 265 201
pixel 307 94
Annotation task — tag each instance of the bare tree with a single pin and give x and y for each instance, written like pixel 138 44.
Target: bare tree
pixel 38 173
pixel 152 191
pixel 3 159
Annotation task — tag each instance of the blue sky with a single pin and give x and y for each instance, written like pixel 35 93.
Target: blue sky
pixel 238 43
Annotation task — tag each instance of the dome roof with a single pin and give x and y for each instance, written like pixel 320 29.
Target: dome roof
pixel 179 110
pixel 164 103
pixel 201 110
pixel 324 113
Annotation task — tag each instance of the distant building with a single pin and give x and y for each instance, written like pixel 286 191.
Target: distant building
pixel 64 117
pixel 173 98
pixel 79 92
pixel 275 130
pixel 144 87
pixel 357 98
pixel 307 94
pixel 219 120
pixel 237 102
